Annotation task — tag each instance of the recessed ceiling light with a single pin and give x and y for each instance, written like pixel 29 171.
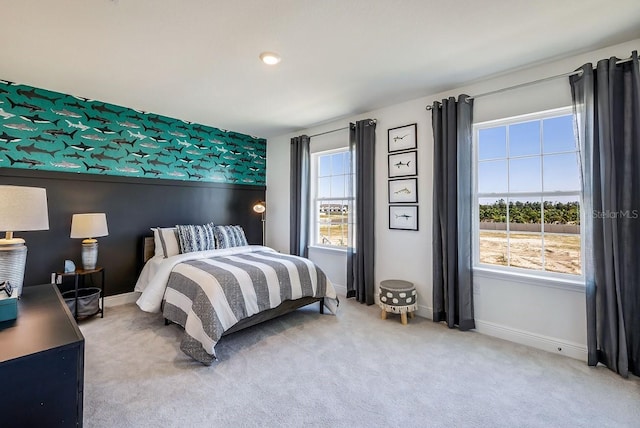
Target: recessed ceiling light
pixel 270 58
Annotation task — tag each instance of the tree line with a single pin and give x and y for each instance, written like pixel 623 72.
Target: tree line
pixel 531 212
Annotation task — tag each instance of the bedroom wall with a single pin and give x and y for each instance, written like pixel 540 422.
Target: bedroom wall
pixel 542 314
pixel 132 206
pixel 141 169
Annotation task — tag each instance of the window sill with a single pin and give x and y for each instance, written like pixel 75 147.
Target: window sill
pixel 577 285
pixel 332 250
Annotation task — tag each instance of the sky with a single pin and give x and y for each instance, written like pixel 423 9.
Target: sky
pixel 336 165
pixel 537 156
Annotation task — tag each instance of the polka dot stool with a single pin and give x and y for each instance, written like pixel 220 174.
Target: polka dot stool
pixel 399 297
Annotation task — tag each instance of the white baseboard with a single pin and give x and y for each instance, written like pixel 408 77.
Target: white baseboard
pixel 121 299
pixel 522 337
pixel 538 341
pixel 424 311
pixel 341 290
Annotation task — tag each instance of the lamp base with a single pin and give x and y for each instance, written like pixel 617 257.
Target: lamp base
pixel 89 254
pixel 13 259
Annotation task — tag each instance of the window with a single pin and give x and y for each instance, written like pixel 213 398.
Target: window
pixel 527 210
pixel 331 201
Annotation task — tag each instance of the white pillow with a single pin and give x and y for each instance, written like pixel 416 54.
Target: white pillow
pixel 166 241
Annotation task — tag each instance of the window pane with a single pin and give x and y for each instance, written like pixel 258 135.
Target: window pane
pixel 525 233
pixel 323 223
pixel 561 172
pixel 558 134
pixel 524 139
pixel 324 187
pixel 539 231
pixel 332 213
pixel 492 143
pixel 525 211
pixel 337 164
pixel 562 246
pixel 325 166
pixel 492 177
pixel 492 210
pixel 493 234
pixel 338 186
pixel 525 175
pixel 335 228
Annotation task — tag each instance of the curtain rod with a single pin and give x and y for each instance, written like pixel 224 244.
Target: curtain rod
pixel 328 132
pixel 533 82
pixel 336 130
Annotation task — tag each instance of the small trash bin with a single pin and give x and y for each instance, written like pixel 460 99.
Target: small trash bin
pixel 88 301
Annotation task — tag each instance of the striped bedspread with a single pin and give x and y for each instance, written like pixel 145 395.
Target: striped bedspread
pixel 207 296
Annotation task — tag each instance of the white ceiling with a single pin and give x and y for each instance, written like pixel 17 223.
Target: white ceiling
pixel 197 60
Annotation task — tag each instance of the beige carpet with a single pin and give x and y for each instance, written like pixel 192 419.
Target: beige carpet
pixel 349 370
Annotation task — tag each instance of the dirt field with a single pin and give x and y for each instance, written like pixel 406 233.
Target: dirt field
pixel 561 251
pixel 335 234
pixel 333 228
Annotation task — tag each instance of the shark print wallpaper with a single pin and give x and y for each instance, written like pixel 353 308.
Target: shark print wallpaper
pixel 45 130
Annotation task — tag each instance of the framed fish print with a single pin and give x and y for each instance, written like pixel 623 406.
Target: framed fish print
pixel 402 138
pixel 403 217
pixel 403 164
pixel 404 190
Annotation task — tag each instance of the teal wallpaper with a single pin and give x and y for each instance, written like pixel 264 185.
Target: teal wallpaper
pixel 46 130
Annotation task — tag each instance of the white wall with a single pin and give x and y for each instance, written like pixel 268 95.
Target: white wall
pixel 547 317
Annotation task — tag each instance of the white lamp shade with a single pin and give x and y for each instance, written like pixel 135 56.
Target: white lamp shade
pixel 23 208
pixel 91 225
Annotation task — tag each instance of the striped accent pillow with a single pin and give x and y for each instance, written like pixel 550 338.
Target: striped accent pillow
pixel 166 241
pixel 196 237
pixel 229 236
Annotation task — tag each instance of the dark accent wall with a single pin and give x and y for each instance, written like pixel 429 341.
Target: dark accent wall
pixel 132 206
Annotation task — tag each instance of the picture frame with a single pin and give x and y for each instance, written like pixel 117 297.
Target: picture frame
pixel 402 138
pixel 403 191
pixel 403 164
pixel 403 217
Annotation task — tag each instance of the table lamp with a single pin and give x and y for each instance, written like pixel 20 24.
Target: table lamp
pixel 21 209
pixel 88 227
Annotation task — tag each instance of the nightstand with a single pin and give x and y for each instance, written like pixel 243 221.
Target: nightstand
pixel 81 274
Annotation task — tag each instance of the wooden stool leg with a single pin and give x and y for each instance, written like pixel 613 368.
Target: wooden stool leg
pixel 412 315
pixel 383 315
pixel 403 318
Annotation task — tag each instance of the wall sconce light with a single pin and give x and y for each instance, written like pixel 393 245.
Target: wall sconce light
pixel 260 207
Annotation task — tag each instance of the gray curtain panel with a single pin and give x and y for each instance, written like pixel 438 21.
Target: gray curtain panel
pixel 452 212
pixel 360 252
pixel 606 104
pixel 300 176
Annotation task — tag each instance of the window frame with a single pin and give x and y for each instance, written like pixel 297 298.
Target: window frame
pixel 314 199
pixel 519 274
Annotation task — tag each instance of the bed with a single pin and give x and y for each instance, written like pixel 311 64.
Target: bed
pixel 217 292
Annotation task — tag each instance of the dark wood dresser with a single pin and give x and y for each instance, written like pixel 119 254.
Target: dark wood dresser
pixel 41 363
